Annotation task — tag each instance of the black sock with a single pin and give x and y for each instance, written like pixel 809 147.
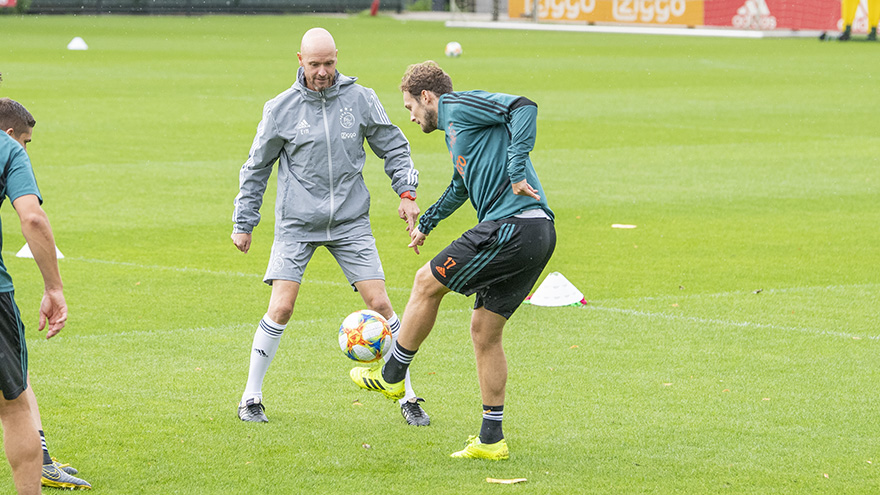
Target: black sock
pixel 397 363
pixel 491 432
pixel 47 459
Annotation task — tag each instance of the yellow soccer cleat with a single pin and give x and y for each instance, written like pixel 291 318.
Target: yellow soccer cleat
pixel 57 478
pixel 67 468
pixel 477 450
pixel 371 379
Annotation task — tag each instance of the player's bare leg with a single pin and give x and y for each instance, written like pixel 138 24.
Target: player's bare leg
pixel 22 444
pixel 486 331
pixel 281 302
pixel 421 310
pixel 375 297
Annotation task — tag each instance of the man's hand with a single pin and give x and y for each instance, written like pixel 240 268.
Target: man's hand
pixel 242 241
pixel 53 310
pixel 418 239
pixel 408 211
pixel 522 188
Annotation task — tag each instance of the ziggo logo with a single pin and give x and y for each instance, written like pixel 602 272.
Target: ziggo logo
pixel 557 9
pixel 648 10
pixel 621 10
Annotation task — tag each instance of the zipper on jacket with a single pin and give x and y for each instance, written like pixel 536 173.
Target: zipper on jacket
pixel 329 164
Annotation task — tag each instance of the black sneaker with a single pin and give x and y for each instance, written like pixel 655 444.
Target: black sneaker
pixel 872 36
pixel 413 412
pixel 846 35
pixel 252 411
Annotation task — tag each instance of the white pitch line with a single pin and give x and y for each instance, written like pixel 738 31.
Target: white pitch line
pixel 743 324
pixel 184 269
pixel 211 272
pixel 784 290
pixel 249 326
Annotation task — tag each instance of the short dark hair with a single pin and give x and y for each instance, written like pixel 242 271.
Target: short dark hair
pixel 13 115
pixel 426 76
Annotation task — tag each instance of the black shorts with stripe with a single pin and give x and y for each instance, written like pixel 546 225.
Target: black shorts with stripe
pixel 498 260
pixel 13 350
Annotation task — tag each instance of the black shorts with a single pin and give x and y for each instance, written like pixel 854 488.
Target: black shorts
pixel 499 261
pixel 13 351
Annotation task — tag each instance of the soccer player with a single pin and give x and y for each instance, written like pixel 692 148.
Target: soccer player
pixel 848 10
pixel 489 137
pixel 316 131
pixel 22 426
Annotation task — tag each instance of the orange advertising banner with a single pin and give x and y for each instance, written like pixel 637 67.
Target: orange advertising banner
pixel 680 12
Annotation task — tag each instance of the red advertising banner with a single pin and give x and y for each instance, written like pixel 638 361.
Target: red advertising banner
pixel 772 14
pixel 741 14
pixel 7 3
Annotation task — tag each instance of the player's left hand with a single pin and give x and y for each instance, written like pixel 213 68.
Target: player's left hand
pixel 409 212
pixel 418 239
pixel 522 188
pixel 53 310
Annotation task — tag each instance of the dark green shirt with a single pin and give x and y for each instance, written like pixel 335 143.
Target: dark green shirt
pixel 16 180
pixel 489 137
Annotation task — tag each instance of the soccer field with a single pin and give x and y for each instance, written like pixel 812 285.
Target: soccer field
pixel 730 343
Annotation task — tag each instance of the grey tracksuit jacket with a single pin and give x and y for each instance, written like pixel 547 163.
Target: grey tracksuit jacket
pixel 318 140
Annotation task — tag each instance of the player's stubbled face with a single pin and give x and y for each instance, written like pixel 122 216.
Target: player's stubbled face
pixel 421 114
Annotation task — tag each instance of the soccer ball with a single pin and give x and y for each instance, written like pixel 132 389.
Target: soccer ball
pixel 453 49
pixel 364 336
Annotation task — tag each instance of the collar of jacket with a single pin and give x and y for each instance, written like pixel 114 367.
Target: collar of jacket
pixel 332 92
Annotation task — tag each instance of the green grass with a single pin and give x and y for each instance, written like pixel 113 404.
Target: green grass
pixel 730 344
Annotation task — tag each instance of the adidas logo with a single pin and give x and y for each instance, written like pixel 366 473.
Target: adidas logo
pixel 303 125
pixel 754 14
pixel 261 352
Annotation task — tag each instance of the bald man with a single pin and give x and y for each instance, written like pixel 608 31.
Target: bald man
pixel 315 131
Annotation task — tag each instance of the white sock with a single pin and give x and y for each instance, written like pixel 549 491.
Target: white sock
pixel 394 324
pixel 266 341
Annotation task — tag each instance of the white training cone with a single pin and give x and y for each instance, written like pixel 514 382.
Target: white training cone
pixel 25 252
pixel 77 44
pixel 556 290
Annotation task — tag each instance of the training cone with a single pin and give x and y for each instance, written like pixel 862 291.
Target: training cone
pixel 556 290
pixel 77 44
pixel 25 252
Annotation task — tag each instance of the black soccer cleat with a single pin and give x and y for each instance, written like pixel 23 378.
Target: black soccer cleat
pixel 252 411
pixel 413 413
